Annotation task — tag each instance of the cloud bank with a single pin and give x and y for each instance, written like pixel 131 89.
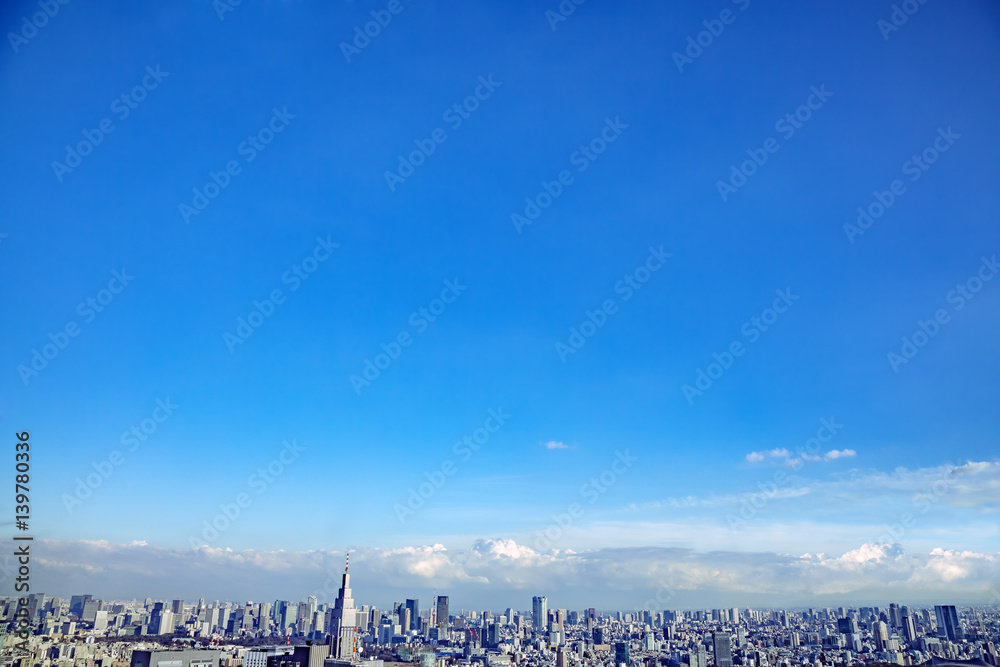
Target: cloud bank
pixel 496 573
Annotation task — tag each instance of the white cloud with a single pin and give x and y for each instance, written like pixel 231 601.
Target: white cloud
pixel 790 509
pixel 792 461
pixel 501 572
pixel 554 444
pixel 868 553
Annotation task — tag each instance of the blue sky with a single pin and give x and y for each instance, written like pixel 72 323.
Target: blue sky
pixel 655 186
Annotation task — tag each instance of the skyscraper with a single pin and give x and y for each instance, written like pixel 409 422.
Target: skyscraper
pixel 76 604
pixel 622 654
pixel 539 612
pixel 442 612
pixel 161 621
pixel 895 617
pixel 289 615
pixel 947 622
pixel 722 648
pixel 264 616
pixel 343 635
pixel 90 609
pixel 881 635
pixel 847 626
pixel 414 607
pixel 405 620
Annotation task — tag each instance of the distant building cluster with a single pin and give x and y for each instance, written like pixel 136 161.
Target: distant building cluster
pixel 85 632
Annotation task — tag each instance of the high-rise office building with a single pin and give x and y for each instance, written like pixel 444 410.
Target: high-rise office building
pixel 263 616
pixel 76 604
pixel 622 654
pixel 343 623
pixel 722 649
pixel 289 615
pixel 947 622
pixel 895 617
pixel 177 607
pixel 414 607
pixel 161 621
pixel 847 626
pixel 539 612
pixel 90 609
pixel 881 634
pixel 442 612
pixel 909 629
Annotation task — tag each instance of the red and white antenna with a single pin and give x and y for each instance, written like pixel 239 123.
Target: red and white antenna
pixel 348 562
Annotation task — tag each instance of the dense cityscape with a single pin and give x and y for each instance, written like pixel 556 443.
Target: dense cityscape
pixel 41 631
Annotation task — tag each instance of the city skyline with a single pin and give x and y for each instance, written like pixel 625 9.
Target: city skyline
pixel 526 610
pixel 338 634
pixel 344 624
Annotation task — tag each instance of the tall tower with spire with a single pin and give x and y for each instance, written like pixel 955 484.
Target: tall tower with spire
pixel 344 638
